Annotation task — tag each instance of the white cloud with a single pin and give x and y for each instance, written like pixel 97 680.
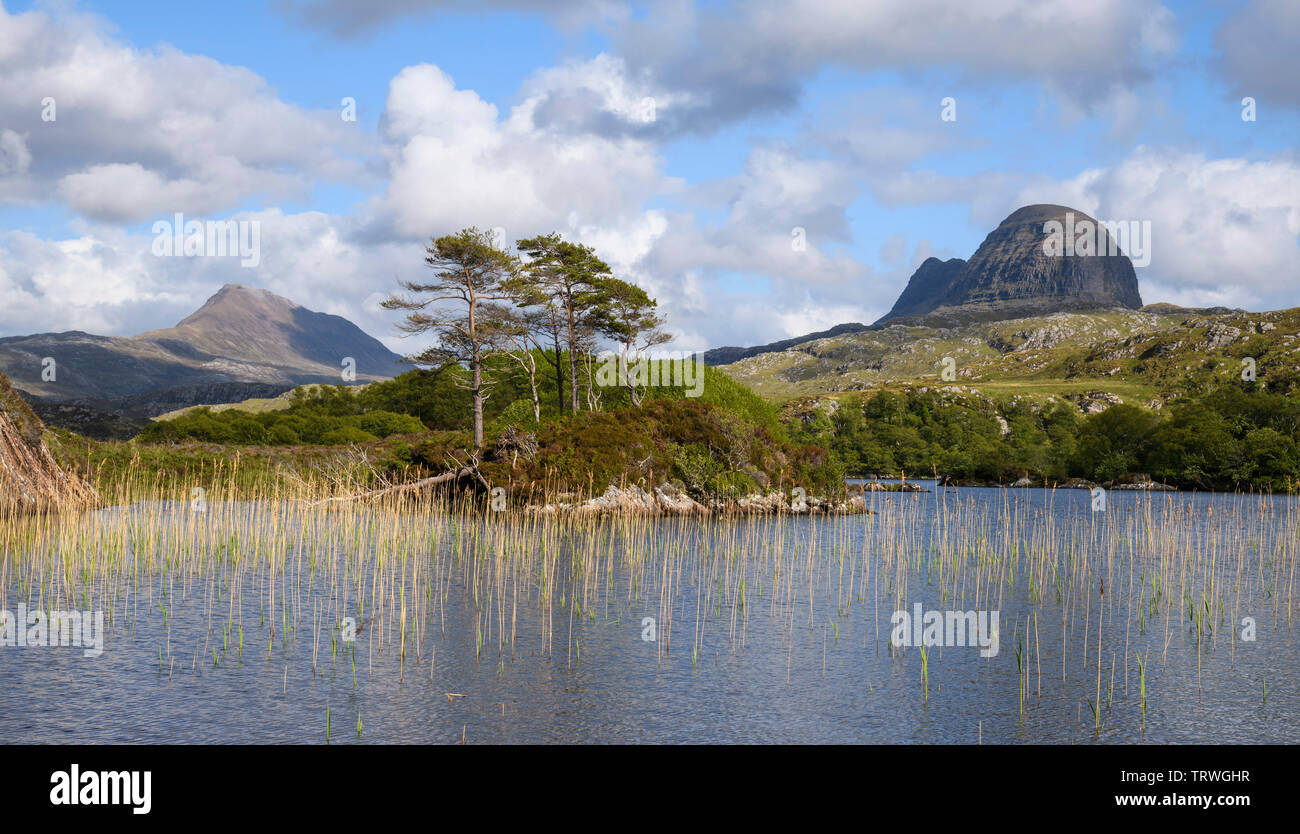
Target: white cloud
pixel 348 18
pixel 144 133
pixel 1224 231
pixel 140 131
pixel 15 158
pixel 455 163
pixel 737 60
pixel 1260 51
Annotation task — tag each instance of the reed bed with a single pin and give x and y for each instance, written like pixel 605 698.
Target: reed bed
pixel 1105 594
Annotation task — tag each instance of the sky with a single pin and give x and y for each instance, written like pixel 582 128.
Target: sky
pixel 764 169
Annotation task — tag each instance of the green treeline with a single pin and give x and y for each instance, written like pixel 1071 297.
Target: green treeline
pixel 421 400
pixel 1234 437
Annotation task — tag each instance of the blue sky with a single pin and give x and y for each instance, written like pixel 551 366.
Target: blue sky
pixel 528 115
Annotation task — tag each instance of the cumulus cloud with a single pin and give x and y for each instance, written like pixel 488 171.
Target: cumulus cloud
pixel 736 60
pixel 739 259
pixel 123 133
pixel 455 162
pixel 348 18
pixel 1260 51
pixel 312 258
pixel 1224 231
pixel 707 65
pixel 15 158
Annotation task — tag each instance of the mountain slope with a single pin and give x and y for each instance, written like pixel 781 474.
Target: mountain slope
pixel 240 336
pixel 241 343
pixel 729 354
pixel 1143 357
pixel 1009 276
pixel 258 327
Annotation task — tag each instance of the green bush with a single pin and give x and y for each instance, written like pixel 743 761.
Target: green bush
pixel 346 434
pixel 518 413
pixel 385 423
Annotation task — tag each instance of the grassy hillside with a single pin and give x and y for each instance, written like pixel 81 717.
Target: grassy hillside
pixel 1145 357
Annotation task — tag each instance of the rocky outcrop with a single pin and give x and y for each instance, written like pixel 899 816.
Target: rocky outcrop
pixel 927 287
pixel 1012 275
pixel 1093 402
pixel 667 500
pixel 30 478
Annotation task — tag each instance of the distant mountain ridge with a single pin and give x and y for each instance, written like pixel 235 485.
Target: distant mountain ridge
pixel 241 340
pixel 727 355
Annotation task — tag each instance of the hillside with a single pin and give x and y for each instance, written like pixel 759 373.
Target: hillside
pixel 1015 273
pixel 1144 357
pixel 258 328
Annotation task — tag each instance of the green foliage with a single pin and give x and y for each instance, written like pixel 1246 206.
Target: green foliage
pixel 720 390
pixel 328 415
pixel 1238 436
pixel 346 434
pixel 518 413
pixel 706 449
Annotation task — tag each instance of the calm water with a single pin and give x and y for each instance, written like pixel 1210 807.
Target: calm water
pixel 804 659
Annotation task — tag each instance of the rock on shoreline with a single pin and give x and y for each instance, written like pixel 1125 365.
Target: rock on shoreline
pixel 669 501
pixel 1139 482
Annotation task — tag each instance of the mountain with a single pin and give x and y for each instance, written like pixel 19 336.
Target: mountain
pixel 1009 276
pixel 1012 275
pixel 927 286
pixel 260 328
pixel 243 342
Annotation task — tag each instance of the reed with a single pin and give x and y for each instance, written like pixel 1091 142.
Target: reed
pixel 277 558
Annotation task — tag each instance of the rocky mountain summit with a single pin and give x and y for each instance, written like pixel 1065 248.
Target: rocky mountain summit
pixel 1012 274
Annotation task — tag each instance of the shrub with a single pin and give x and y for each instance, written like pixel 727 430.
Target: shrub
pixel 346 434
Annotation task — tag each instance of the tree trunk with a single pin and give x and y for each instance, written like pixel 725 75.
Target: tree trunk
pixel 532 383
pixel 573 355
pixel 631 381
pixel 593 395
pixel 478 401
pixel 559 374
